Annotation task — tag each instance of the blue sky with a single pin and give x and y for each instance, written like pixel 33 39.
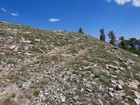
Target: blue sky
pixel 121 16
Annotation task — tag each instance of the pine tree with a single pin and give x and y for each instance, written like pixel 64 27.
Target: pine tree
pixel 81 30
pixel 133 42
pixel 102 35
pixel 112 37
pixel 139 44
pixel 123 43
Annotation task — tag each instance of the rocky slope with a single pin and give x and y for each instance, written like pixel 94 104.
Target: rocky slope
pixel 39 67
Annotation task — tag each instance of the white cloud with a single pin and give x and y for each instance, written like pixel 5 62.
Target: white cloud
pixel 122 2
pixel 135 3
pixel 53 20
pixel 14 14
pixel 3 9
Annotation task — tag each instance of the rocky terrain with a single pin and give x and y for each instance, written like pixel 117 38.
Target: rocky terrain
pixel 39 67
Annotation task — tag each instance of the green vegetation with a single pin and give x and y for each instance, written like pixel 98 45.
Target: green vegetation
pixel 36 93
pixel 102 35
pixel 123 43
pixel 57 67
pixel 81 30
pixel 112 37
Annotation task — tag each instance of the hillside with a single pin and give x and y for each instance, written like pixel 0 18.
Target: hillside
pixel 39 67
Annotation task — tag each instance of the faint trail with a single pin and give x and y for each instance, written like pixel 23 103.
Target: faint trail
pixel 68 60
pixel 80 53
pixel 55 50
pixel 64 63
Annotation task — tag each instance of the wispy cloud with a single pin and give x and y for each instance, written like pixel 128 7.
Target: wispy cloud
pixel 11 13
pixel 135 3
pixel 108 0
pixel 53 20
pixel 14 14
pixel 3 9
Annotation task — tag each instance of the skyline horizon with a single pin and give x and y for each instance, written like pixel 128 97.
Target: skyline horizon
pixel 106 34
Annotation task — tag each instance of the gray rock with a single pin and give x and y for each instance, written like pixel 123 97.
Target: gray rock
pixel 26 41
pixel 26 84
pixel 43 98
pixel 119 94
pixel 88 67
pixel 121 68
pixel 95 65
pixel 82 89
pixel 41 92
pixel 12 47
pixel 129 67
pixel 100 102
pixel 101 88
pixel 16 49
pixel 89 89
pixel 26 48
pixel 137 94
pixel 37 40
pixel 63 98
pixel 137 101
pixel 41 95
pixel 111 94
pixel 110 89
pixel 111 66
pixel 114 76
pixel 113 81
pixel 119 87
